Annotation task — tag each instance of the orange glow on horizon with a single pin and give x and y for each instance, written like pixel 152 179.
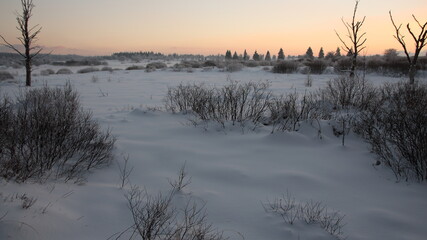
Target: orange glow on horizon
pixel 202 27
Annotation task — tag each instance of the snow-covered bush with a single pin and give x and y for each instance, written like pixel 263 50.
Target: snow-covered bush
pixel 285 67
pixel 64 71
pixel 210 63
pixel 191 64
pixel 317 66
pixel 88 70
pixel 235 102
pixel 5 76
pixel 345 92
pixel 234 67
pixel 186 65
pixel 45 133
pixel 47 72
pixel 75 63
pixel 156 65
pixel 155 217
pixel 251 63
pixel 135 67
pixel 396 128
pixel 287 111
pixel 346 97
pixel 107 69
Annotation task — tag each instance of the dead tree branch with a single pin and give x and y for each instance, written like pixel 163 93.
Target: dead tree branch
pixel 420 42
pixel 357 39
pixel 27 39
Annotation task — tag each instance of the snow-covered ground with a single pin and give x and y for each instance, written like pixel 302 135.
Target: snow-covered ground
pixel 233 172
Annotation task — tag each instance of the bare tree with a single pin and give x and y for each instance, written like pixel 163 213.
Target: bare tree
pixel 420 42
pixel 27 38
pixel 357 40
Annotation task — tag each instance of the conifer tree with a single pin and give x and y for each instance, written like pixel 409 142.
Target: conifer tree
pixel 338 52
pixel 309 53
pixel 245 56
pixel 268 56
pixel 281 55
pixel 256 56
pixel 235 56
pixel 228 55
pixel 330 55
pixel 321 53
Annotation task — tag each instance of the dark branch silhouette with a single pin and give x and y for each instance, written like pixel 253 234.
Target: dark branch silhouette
pixel 357 40
pixel 27 39
pixel 420 42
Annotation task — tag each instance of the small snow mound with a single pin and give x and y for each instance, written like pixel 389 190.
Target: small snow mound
pixel 289 138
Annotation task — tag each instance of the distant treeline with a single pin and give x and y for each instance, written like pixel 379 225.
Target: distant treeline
pixel 155 56
pixel 16 60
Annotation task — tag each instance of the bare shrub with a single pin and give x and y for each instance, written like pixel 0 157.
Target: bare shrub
pixel 134 67
pixel 47 72
pixel 150 69
pixel 94 79
pixel 182 181
pixel 64 71
pixel 152 216
pixel 285 206
pixel 156 65
pixel 317 66
pixel 235 102
pixel 396 129
pixel 344 64
pixel 346 97
pixel 210 63
pixel 5 76
pixel 251 63
pixel 88 70
pixel 265 63
pixel 345 92
pixel 287 111
pixel 190 97
pixel 189 64
pixel 397 67
pixel 78 63
pixel 178 67
pixel 155 217
pixel 285 67
pixel 308 81
pixel 234 67
pixel 26 201
pixel 46 133
pixel 107 69
pixel 125 171
pixel 312 212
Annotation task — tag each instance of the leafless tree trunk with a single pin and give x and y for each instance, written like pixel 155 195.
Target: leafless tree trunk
pixel 357 40
pixel 27 38
pixel 420 42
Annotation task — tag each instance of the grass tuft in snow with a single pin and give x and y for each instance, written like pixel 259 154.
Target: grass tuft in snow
pixel 311 212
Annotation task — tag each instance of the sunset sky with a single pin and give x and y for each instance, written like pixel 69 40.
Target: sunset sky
pixel 95 27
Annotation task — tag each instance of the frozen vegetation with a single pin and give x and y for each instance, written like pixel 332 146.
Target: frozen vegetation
pixel 202 162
